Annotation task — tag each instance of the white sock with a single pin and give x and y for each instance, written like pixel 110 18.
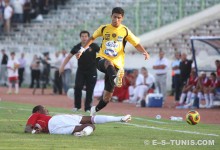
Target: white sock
pixel 9 87
pixel 193 96
pixel 189 96
pixel 99 119
pixel 182 97
pixel 211 97
pixel 200 96
pixel 16 88
pixel 206 99
pixel 191 100
pixel 88 130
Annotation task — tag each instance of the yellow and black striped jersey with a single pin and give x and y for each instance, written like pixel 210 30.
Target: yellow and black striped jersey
pixel 113 43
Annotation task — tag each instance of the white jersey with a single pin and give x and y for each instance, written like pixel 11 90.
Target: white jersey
pixel 8 12
pixel 18 6
pixel 10 65
pixel 149 80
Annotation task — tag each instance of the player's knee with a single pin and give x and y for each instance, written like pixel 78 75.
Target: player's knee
pixel 93 126
pixel 108 63
pixel 89 129
pixel 106 98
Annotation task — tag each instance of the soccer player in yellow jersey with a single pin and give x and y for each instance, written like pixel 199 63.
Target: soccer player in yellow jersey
pixel 110 59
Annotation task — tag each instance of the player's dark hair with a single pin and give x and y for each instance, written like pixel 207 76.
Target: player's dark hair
pixel 37 108
pixel 213 74
pixel 84 31
pixel 118 10
pixel 12 53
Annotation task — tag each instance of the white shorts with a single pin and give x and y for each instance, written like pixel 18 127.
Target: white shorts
pixel 63 124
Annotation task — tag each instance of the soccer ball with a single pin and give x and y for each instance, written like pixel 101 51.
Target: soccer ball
pixel 192 117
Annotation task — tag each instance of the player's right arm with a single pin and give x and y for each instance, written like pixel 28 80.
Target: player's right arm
pixel 89 42
pixel 31 123
pixel 96 34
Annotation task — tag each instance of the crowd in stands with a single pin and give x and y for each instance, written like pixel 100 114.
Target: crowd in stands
pixel 23 11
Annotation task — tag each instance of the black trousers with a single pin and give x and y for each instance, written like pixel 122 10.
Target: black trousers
pixel 35 76
pixel 21 76
pixel 87 78
pixel 27 17
pixel 177 87
pixel 109 82
pixel 57 85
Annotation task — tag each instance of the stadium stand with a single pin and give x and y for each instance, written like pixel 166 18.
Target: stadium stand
pixel 60 27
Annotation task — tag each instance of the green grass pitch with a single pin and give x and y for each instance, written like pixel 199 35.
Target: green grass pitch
pixel 140 133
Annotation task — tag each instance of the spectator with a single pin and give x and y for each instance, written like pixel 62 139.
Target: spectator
pixel 204 83
pixel 185 68
pixel 18 10
pixel 215 85
pixel 27 11
pixel 172 83
pixel 43 9
pixel 188 88
pixel 3 72
pixel 13 66
pixel 143 83
pixel 8 13
pixel 217 63
pixel 35 72
pixel 160 68
pixel 58 85
pixel 133 78
pixel 66 76
pixel 22 62
pixel 2 6
pixel 201 90
pixel 45 76
pixel 177 82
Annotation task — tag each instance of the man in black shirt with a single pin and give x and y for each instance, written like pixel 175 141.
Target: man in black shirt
pixel 3 71
pixel 86 73
pixel 185 68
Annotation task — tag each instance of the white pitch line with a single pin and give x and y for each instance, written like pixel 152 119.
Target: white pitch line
pixel 149 120
pixel 165 129
pixel 137 125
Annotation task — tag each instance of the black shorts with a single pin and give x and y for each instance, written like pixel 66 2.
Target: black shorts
pixel 100 64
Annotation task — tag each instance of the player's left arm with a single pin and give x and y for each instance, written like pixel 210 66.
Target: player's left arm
pixel 131 38
pixel 141 49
